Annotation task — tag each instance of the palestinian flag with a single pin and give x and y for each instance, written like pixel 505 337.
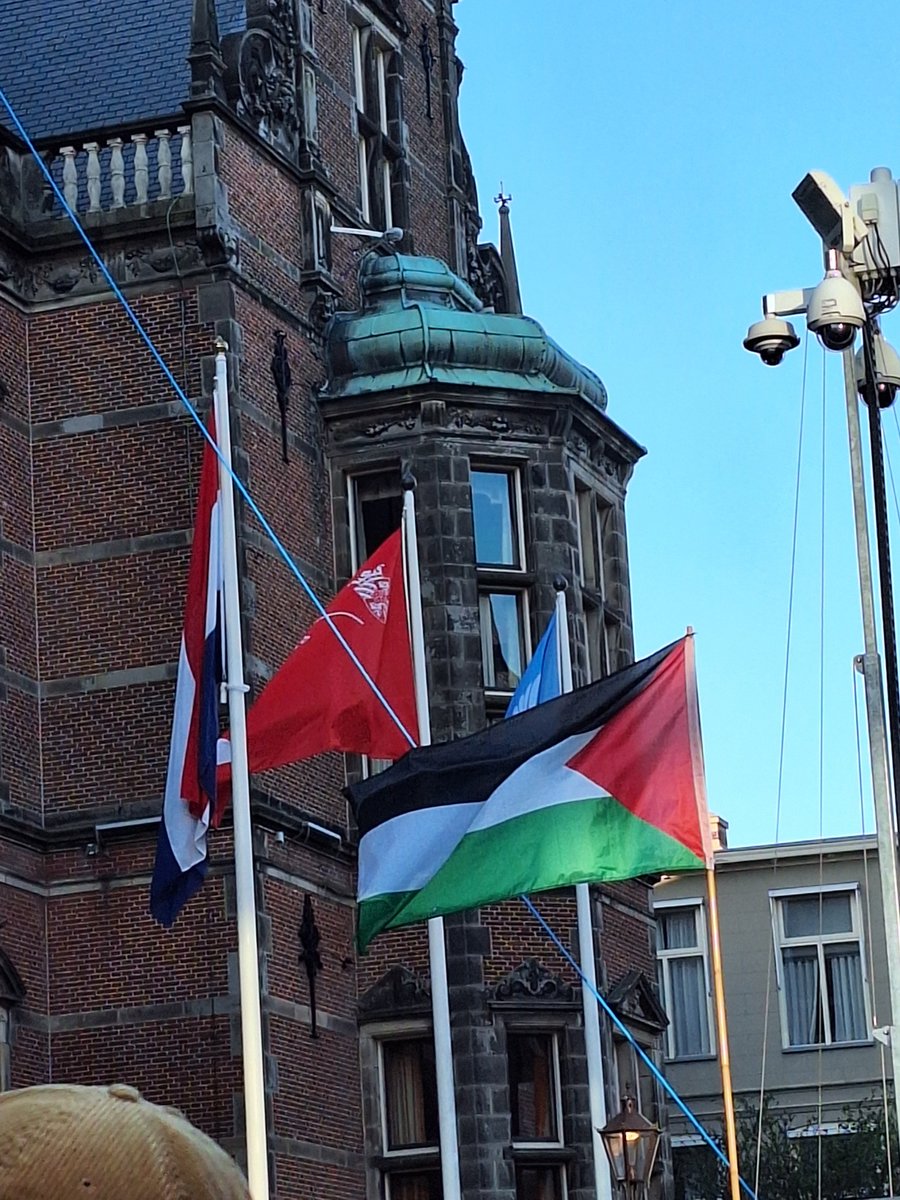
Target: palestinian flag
pixel 603 783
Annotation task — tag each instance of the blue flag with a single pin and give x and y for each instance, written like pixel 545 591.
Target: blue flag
pixel 542 679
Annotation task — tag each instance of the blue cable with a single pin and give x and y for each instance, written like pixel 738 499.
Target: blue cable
pixel 254 508
pixel 623 1029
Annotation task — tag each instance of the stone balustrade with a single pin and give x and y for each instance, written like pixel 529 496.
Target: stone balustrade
pixel 123 172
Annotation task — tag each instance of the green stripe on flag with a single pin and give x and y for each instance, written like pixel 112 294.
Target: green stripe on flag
pixel 582 841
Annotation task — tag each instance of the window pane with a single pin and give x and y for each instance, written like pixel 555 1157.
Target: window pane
pixel 539 1183
pixel 802 998
pixel 419 1185
pixel 587 537
pixel 809 916
pixel 688 1009
pixel 846 1006
pixel 410 1094
pixel 501 639
pixel 679 929
pixel 493 514
pixel 532 1088
pixel 379 508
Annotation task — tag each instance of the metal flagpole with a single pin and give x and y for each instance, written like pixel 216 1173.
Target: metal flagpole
pixel 437 954
pixel 734 1175
pixel 248 954
pixel 869 665
pixel 593 1050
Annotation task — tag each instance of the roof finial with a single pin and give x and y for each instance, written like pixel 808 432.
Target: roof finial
pixel 508 255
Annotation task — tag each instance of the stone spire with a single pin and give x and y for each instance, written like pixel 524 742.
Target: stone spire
pixel 205 56
pixel 508 256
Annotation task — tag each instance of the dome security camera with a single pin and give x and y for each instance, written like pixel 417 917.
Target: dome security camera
pixel 887 371
pixel 835 312
pixel 771 339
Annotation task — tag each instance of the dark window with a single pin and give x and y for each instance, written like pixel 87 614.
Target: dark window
pixel 377 510
pixel 533 1087
pixel 410 1094
pixel 378 91
pixel 539 1183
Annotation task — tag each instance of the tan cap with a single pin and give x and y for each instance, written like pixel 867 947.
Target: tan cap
pixel 60 1141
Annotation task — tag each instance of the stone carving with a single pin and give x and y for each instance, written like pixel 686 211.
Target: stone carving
pixel 634 999
pixel 261 72
pixel 399 989
pixel 532 981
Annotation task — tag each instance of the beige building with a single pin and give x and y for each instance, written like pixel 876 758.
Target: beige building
pixel 805 982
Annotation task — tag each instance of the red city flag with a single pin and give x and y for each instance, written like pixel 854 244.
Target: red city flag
pixel 319 699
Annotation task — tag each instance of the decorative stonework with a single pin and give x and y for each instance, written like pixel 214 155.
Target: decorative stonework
pixel 532 981
pixel 634 999
pixel 399 990
pixel 261 73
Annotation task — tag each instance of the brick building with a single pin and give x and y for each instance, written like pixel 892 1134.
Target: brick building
pixel 209 148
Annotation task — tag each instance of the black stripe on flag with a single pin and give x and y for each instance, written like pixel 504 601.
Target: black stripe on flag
pixel 469 769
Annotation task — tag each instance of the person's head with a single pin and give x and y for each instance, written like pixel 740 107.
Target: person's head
pixel 66 1142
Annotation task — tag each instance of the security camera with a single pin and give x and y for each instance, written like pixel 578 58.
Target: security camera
pixel 887 370
pixel 771 339
pixel 835 311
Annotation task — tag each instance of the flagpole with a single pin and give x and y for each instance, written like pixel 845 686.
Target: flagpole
pixel 592 1045
pixel 248 954
pixel 718 976
pixel 437 954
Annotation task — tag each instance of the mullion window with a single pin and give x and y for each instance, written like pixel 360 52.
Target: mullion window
pixel 819 947
pixel 685 983
pixel 498 529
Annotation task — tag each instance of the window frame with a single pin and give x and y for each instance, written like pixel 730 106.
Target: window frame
pixel 503 579
pixel 595 584
pixel 820 940
pixel 385 1162
pixel 5 1047
pixel 698 904
pixel 374 135
pixel 542 1154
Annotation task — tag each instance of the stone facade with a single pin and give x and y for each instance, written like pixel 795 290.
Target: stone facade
pixel 213 216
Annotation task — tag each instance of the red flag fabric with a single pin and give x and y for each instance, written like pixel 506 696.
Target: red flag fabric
pixel 319 700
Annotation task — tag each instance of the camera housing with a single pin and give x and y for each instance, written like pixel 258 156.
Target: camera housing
pixel 771 339
pixel 887 371
pixel 835 312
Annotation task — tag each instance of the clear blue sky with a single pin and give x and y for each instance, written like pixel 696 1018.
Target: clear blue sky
pixel 651 149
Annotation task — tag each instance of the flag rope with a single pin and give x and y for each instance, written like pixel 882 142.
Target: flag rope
pixel 198 421
pixel 623 1029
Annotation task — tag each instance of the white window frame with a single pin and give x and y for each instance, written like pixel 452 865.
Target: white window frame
pixel 542 1031
pixel 513 472
pixel 702 950
pixel 497 577
pixel 484 594
pixel 553 1036
pixel 384 45
pixel 393 1160
pixel 780 943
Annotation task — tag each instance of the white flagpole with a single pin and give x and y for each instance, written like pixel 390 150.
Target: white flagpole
pixel 248 954
pixel 592 1047
pixel 437 955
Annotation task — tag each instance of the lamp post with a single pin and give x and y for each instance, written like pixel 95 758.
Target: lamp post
pixel 631 1143
pixel 861 239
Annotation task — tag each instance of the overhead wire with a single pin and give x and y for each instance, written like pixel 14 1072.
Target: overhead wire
pixel 781 745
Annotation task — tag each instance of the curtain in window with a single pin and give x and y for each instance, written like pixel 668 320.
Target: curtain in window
pixel 506 641
pixel 688 1009
pixel 845 986
pixel 679 930
pixel 405 1095
pixel 801 997
pixel 407 1186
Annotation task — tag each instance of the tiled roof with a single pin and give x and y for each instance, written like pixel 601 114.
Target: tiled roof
pixel 72 65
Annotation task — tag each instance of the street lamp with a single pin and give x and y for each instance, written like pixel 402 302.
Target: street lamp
pixel 631 1142
pixel 861 239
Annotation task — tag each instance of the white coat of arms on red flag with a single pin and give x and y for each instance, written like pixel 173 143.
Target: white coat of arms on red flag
pixel 374 589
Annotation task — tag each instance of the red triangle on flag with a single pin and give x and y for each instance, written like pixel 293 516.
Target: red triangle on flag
pixel 649 758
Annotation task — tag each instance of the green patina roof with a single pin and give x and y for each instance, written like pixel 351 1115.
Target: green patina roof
pixel 420 323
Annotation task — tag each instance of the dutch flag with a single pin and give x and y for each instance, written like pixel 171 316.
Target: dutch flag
pixel 190 798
